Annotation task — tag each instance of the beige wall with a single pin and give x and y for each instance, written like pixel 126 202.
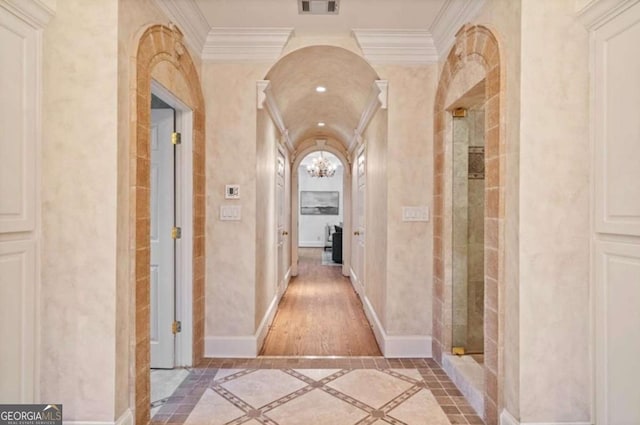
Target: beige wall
pixel 554 226
pixel 409 181
pixel 79 204
pixel 231 119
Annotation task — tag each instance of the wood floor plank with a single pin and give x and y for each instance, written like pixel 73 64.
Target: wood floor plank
pixel 320 315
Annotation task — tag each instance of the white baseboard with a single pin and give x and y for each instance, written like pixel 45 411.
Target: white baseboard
pixel 125 419
pixel 311 244
pixel 230 346
pixel 242 346
pixel 396 346
pixel 263 329
pixel 507 418
pixel 356 283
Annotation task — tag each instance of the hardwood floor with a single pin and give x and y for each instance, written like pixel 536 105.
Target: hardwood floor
pixel 320 314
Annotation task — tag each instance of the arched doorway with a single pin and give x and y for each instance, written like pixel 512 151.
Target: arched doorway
pixel 472 74
pixel 308 148
pixel 162 57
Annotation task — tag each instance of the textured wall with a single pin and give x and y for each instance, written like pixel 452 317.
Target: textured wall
pixel 79 200
pixel 554 226
pixel 230 90
pixel 409 181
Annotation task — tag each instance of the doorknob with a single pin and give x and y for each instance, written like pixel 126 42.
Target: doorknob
pixel 285 233
pixel 356 233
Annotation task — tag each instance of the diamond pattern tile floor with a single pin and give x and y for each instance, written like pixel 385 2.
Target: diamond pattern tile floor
pixel 406 392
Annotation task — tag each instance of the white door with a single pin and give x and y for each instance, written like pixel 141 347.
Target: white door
pixel 162 242
pixel 19 150
pixel 616 238
pixel 359 221
pixel 282 233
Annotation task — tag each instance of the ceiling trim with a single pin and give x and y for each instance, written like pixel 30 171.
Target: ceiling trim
pixel 187 15
pixel 254 44
pixel 36 12
pixel 377 99
pixel 407 47
pixel 264 98
pixel 453 15
pixel 598 12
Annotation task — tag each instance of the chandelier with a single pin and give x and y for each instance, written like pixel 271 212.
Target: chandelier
pixel 321 167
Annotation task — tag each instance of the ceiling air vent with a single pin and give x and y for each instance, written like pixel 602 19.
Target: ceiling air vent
pixel 318 7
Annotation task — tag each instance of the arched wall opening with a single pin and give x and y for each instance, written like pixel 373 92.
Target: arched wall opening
pixel 307 148
pixel 161 56
pixel 474 58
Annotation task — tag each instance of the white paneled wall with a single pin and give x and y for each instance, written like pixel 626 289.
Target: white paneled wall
pixel 616 214
pixel 21 26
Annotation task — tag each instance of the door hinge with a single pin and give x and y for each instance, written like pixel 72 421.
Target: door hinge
pixel 176 233
pixel 176 138
pixel 176 327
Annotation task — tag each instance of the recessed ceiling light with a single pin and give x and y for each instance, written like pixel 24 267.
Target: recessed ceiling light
pixel 321 124
pixel 321 89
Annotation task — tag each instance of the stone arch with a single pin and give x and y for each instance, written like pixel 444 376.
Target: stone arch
pixel 475 45
pixel 159 44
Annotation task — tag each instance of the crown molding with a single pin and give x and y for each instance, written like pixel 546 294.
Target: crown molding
pixel 245 44
pixel 189 18
pixel 264 98
pixel 406 47
pixel 453 15
pixel 36 12
pixel 598 12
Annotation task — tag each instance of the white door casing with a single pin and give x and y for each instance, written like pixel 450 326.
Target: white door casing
pixel 162 291
pixel 281 232
pixel 615 89
pixel 359 222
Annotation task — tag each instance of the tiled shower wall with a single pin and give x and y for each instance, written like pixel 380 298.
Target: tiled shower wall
pixel 476 47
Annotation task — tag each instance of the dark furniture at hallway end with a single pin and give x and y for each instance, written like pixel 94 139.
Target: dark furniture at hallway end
pixel 336 245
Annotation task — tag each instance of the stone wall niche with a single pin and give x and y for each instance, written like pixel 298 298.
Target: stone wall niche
pixel 473 63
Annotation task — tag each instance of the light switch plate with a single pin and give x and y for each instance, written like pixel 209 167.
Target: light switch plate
pixel 230 212
pixel 415 213
pixel 232 191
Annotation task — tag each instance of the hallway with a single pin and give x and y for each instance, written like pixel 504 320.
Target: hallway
pixel 320 315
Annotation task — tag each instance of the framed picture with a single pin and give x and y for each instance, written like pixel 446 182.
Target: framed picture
pixel 317 202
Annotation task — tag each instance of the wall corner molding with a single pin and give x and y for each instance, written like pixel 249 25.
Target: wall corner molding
pixel 453 15
pixel 264 98
pixel 377 99
pixel 245 45
pixel 37 13
pixel 189 18
pixel 598 12
pixel 396 46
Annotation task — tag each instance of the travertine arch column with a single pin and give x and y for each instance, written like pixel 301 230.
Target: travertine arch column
pixel 475 45
pixel 160 44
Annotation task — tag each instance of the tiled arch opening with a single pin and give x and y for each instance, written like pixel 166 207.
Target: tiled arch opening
pixel 162 45
pixel 475 45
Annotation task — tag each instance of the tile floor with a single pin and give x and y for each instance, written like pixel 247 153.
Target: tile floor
pixel 164 383
pixel 316 391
